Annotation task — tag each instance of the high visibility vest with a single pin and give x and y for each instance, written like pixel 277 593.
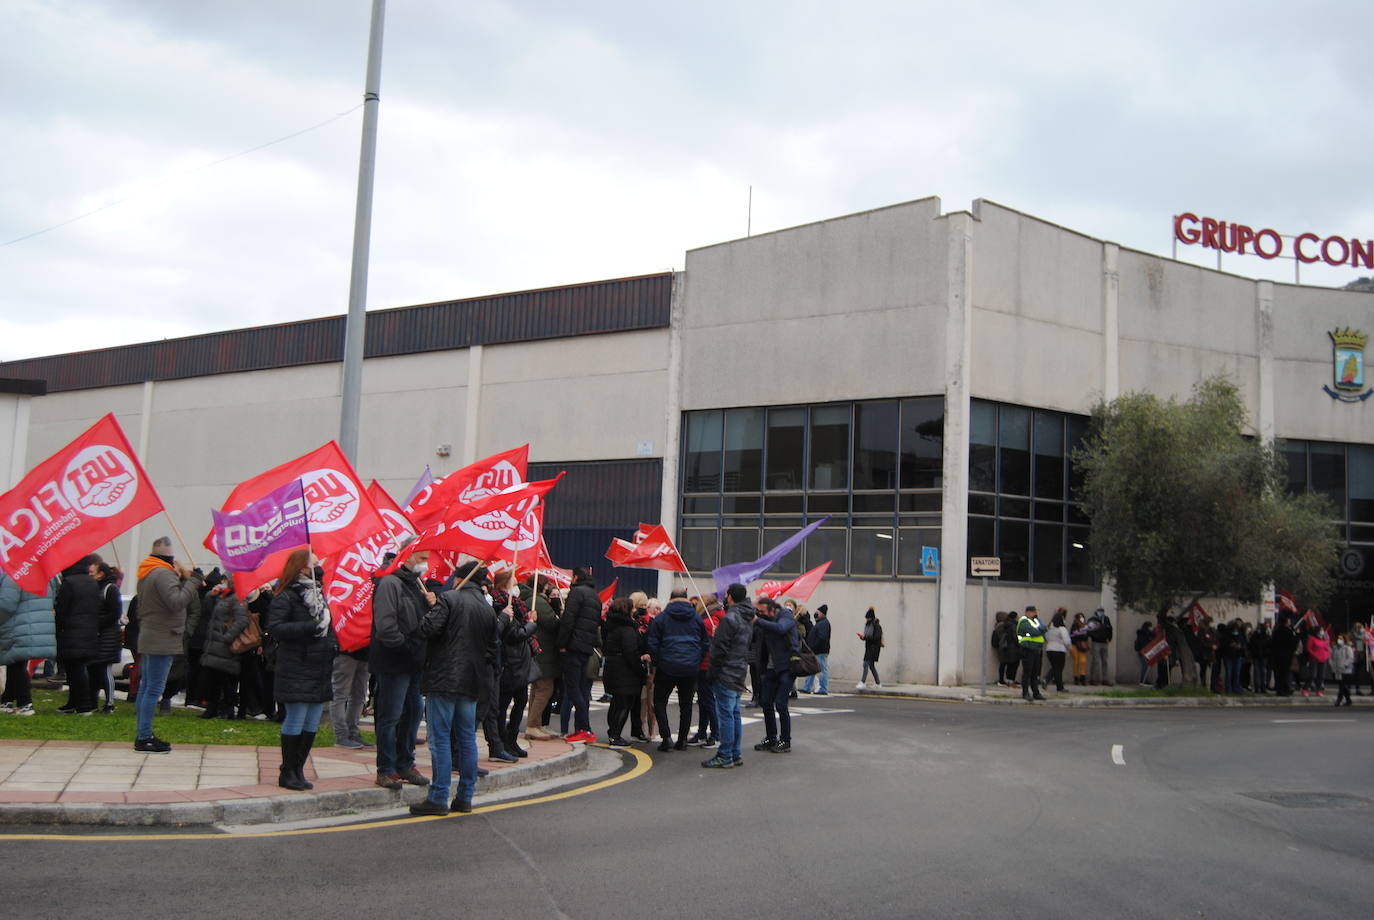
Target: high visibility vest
pixel 1031 639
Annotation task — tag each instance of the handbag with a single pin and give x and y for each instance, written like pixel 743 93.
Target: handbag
pixel 803 662
pixel 250 638
pixel 594 664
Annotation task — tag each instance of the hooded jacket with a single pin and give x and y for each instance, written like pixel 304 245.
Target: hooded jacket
pixel 398 606
pixel 780 639
pixel 305 661
pixel 579 628
pixel 730 648
pixel 227 619
pixel 27 629
pixel 1342 660
pixel 463 644
pixel 163 597
pixel 624 669
pixel 78 608
pixel 677 639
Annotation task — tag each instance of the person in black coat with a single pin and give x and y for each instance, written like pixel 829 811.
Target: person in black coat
pixel 516 626
pixel 219 665
pixel 1281 648
pixel 77 610
pixel 578 636
pixel 818 640
pixel 107 578
pixel 624 675
pixel 299 621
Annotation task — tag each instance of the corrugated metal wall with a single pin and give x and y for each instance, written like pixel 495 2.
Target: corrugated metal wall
pixel 595 502
pixel 619 305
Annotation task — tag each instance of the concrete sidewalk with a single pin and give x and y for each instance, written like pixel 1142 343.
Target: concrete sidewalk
pixel 108 783
pixel 1087 697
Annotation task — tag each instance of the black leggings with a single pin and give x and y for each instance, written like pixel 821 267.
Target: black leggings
pixel 1056 669
pixel 663 688
pixel 622 705
pixel 80 696
pixel 511 709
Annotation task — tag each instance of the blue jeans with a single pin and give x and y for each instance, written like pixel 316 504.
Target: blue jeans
pixel 1232 674
pixel 728 722
pixel 151 682
pixel 452 722
pixel 398 707
pixel 301 717
pixel 706 705
pixel 575 694
pixel 823 659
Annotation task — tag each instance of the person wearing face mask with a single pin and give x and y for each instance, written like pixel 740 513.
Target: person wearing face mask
pixel 1342 666
pixel 396 657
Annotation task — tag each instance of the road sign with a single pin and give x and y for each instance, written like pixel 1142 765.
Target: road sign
pixel 930 560
pixel 985 566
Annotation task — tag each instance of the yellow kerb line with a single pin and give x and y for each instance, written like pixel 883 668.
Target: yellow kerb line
pixel 643 763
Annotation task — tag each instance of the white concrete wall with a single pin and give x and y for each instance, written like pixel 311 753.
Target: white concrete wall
pixel 1303 363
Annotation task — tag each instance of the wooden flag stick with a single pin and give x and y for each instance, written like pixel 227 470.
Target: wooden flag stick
pixel 191 563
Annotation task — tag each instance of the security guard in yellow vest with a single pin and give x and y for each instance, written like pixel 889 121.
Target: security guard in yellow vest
pixel 1031 635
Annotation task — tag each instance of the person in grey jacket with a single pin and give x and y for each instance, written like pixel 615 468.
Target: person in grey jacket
pixel 165 589
pixel 27 631
pixel 227 619
pixel 1343 665
pixel 729 672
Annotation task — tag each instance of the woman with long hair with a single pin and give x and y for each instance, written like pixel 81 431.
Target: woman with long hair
pixel 624 668
pixel 1078 648
pixel 1057 644
pixel 516 627
pixel 299 620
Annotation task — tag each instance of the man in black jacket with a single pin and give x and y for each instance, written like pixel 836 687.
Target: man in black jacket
pixel 459 664
pixel 729 673
pixel 818 640
pixel 396 656
pixel 579 630
pixel 77 609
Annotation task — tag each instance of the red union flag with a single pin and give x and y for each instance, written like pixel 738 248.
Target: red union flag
pixel 608 595
pixel 800 588
pixel 1156 648
pixel 528 535
pixel 1287 602
pixel 401 526
pixel 76 501
pixel 338 508
pixel 545 570
pixel 496 473
pixel 654 551
pixel 349 586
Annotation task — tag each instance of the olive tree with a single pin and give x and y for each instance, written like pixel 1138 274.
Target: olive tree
pixel 1183 505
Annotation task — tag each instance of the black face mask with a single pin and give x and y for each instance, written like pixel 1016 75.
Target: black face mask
pixel 166 559
pixel 319 573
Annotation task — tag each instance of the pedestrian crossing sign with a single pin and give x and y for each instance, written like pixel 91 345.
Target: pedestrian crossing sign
pixel 930 560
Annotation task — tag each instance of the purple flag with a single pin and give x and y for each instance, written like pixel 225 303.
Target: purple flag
pixel 425 479
pixel 274 522
pixel 745 572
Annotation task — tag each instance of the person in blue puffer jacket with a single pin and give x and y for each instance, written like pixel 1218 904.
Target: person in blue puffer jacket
pixel 677 644
pixel 27 631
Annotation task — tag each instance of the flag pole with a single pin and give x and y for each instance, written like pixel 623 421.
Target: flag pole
pixel 180 539
pixel 695 586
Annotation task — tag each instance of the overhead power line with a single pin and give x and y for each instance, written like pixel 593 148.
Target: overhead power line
pixel 181 175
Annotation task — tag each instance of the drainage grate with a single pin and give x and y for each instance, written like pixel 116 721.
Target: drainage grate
pixel 1310 799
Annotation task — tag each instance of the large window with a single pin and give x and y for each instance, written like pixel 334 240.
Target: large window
pixel 1021 494
pixel 1344 473
pixel 753 477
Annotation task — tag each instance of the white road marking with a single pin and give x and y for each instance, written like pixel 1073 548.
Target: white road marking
pixel 1294 721
pixel 1118 755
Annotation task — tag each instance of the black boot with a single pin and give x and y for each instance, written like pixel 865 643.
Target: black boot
pixel 287 777
pixel 303 746
pixel 513 745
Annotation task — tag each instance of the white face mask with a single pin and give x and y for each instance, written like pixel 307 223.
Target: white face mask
pixel 420 568
pixel 490 600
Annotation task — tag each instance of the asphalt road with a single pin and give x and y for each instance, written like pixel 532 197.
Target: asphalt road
pixel 895 809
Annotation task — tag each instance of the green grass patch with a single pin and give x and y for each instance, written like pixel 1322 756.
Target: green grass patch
pixel 181 726
pixel 1170 692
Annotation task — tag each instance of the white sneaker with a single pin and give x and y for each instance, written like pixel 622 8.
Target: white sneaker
pixel 860 686
pixel 7 708
pixel 877 686
pixel 26 710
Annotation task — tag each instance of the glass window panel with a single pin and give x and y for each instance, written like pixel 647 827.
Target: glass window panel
pixel 830 447
pixel 923 441
pixel 739 544
pixel 1076 429
pixel 783 520
pixel 786 443
pixel 743 468
pixel 982 504
pixel 789 504
pixel 875 445
pixel 698 548
pixel 828 543
pixel 910 541
pixel 919 520
pixel 701 452
pixel 1078 564
pixel 980 537
pixel 1013 450
pixel 1013 545
pixel 741 504
pixel 789 564
pixel 746 520
pixel 698 520
pixel 818 505
pixel 1049 455
pixel 1014 507
pixel 1049 511
pixel 1049 554
pixel 701 505
pixel 871 504
pixel 921 501
pixel 982 455
pixel 1328 473
pixel 1361 459
pixel 871 551
pixel 1077 515
pixel 1362 534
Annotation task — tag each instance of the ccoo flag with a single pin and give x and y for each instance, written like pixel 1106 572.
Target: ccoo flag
pixel 272 523
pixel 71 504
pixel 745 572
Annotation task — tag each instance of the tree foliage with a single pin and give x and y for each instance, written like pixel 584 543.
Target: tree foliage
pixel 1183 505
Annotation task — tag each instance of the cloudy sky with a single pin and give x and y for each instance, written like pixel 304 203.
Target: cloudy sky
pixel 525 144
